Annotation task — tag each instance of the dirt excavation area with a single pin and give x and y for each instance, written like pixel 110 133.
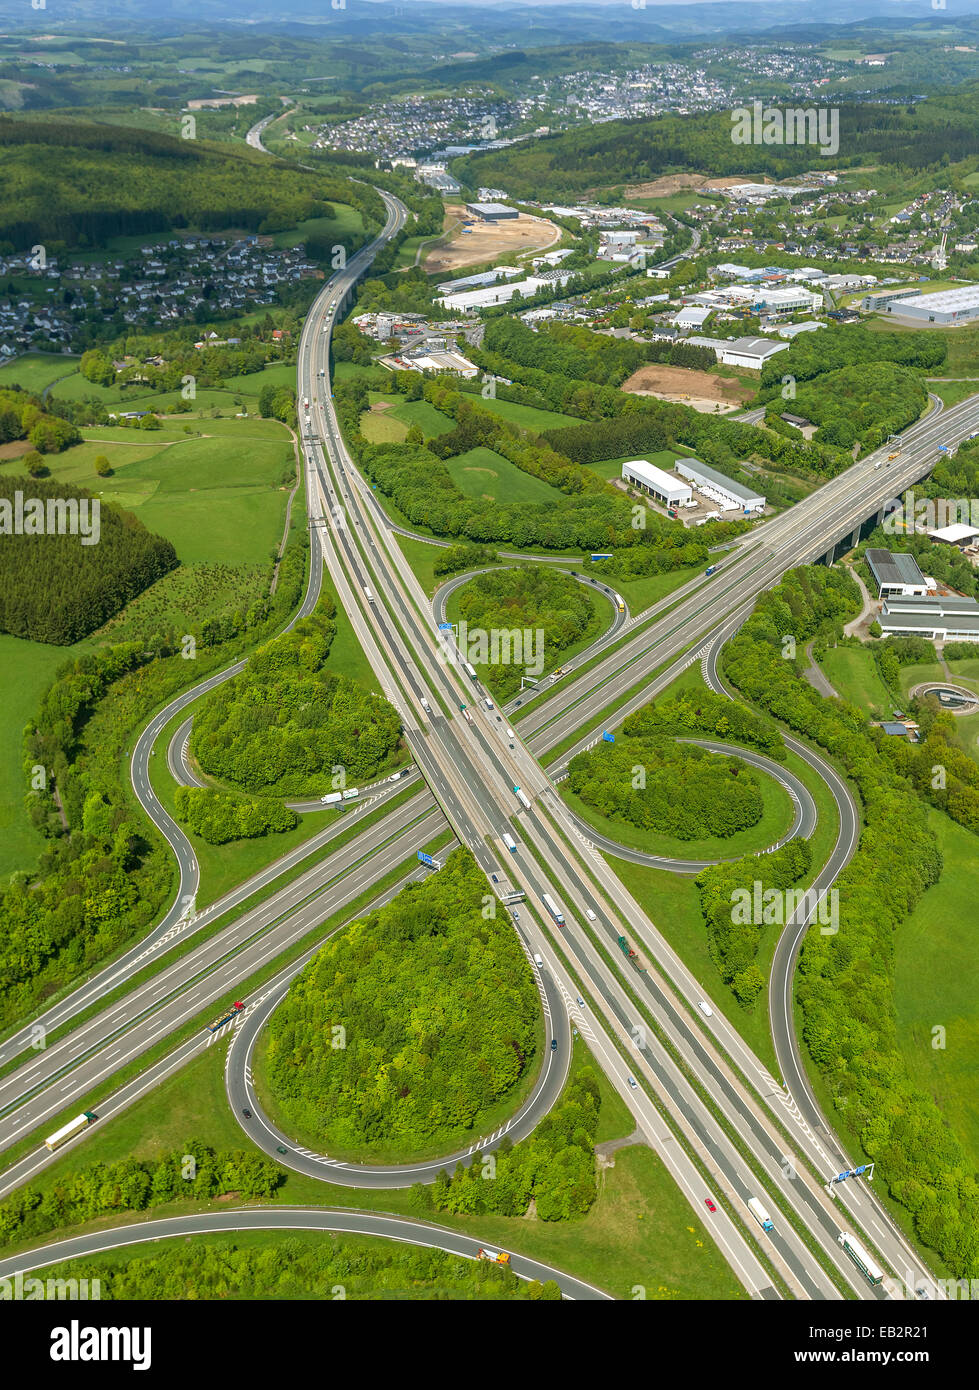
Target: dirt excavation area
pixel 679 183
pixel 701 390
pixel 484 241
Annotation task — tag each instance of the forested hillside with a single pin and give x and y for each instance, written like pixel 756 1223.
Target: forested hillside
pixel 57 176
pixel 53 587
pixel 632 151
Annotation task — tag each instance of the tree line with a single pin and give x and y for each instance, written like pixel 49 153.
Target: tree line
pixel 844 984
pixel 196 1172
pixel 217 817
pixel 294 1269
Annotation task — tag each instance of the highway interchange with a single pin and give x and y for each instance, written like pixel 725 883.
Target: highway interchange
pixel 690 1082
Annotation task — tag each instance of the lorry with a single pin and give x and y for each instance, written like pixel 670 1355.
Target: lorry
pixel 351 793
pixel 522 798
pixel 426 706
pixel 760 1214
pixel 619 602
pixel 368 595
pixel 630 955
pixel 331 798
pixel 68 1131
pixel 470 670
pixel 498 1257
pixel 710 570
pixel 510 842
pixel 553 908
pixel 226 1017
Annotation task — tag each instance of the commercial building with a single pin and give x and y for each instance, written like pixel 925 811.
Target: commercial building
pixel 491 212
pixel 483 298
pixel 742 352
pixel 960 305
pixel 693 316
pixel 946 618
pixel 896 573
pixel 878 302
pixel 719 488
pixel 957 534
pixel 663 486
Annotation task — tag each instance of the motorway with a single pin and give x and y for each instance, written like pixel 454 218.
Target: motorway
pixel 470 770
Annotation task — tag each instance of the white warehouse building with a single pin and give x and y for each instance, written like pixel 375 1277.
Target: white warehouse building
pixel 719 488
pixel 663 486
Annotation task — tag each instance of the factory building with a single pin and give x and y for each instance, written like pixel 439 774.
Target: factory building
pixel 663 486
pixel 946 618
pixel 719 488
pixel 491 212
pixel 960 305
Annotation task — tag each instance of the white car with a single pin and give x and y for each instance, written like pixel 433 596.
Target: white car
pixel 632 1082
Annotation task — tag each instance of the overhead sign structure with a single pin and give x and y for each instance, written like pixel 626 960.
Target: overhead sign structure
pixel 425 858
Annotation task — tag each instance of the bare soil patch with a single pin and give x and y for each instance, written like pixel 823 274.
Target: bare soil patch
pixel 485 241
pixel 702 390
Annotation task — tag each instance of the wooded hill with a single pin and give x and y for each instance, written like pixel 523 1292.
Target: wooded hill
pixel 78 184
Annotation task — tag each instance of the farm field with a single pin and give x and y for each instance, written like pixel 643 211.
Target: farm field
pixel 483 473
pixel 853 674
pixel 36 370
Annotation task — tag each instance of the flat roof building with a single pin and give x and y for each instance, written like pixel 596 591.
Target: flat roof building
pixel 719 488
pixel 663 486
pixel 895 573
pixel 957 534
pixel 960 305
pixel 945 618
pixel 491 212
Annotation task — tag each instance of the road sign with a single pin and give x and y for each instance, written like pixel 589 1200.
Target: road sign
pixel 424 858
pixel 607 737
pixel 445 627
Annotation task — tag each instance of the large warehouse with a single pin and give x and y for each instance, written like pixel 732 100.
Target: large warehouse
pixel 663 486
pixel 960 305
pixel 720 488
pixel 491 212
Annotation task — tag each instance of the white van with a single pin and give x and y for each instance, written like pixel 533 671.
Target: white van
pixel 705 1008
pixel 488 703
pixel 590 915
pixel 538 962
pixel 510 733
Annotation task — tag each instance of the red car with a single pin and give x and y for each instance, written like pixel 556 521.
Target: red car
pixel 709 1204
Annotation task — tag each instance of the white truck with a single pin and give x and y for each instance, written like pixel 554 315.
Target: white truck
pixel 522 798
pixel 368 595
pixel 760 1214
pixel 331 798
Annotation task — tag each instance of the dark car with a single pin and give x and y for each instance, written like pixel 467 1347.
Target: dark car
pixel 281 1149
pixel 554 1044
pixel 709 1204
pixel 247 1114
pixel 494 878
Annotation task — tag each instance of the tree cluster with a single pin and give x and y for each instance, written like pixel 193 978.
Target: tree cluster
pixel 286 723
pixel 410 1025
pixel 217 817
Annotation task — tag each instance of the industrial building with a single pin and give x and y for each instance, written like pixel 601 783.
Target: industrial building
pixel 719 488
pixel 742 352
pixel 945 618
pixel 960 305
pixel 491 212
pixel 878 302
pixel 663 486
pixel 896 574
pixel 957 534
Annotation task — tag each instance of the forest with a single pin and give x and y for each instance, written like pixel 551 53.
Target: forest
pixel 578 161
pixel 25 416
pixel 861 404
pixel 849 345
pixel 294 1268
pixel 531 598
pixel 54 587
pixel 704 713
pixel 410 1025
pixel 844 983
pixel 56 172
pixel 289 726
pixel 672 788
